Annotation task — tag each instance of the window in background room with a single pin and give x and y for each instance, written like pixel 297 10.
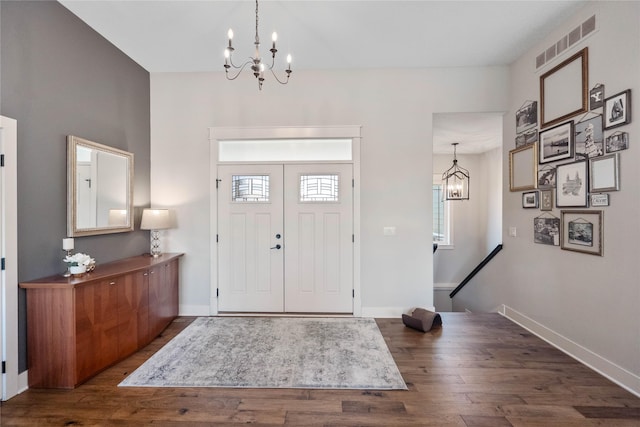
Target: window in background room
pixel 441 213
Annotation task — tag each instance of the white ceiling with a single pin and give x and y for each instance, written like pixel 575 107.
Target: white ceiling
pixel 186 36
pixel 475 132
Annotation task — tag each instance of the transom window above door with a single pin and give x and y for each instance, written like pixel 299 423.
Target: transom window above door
pixel 285 150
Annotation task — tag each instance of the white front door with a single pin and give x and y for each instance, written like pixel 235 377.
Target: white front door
pixel 285 238
pixel 319 238
pixel 250 217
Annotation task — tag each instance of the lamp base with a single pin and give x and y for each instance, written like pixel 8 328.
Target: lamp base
pixel 155 244
pixel 68 272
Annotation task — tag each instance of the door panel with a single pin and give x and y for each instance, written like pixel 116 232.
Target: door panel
pixel 319 247
pixel 250 273
pixel 288 249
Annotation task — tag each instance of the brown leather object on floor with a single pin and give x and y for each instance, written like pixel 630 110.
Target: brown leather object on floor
pixel 422 320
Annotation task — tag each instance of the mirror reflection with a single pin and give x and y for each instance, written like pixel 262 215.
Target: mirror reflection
pixel 100 188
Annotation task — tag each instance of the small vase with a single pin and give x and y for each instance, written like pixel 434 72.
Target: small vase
pixel 77 269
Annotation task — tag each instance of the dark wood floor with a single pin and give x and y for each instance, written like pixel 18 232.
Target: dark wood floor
pixel 477 370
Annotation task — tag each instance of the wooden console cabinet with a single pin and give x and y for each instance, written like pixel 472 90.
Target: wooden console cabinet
pixel 78 326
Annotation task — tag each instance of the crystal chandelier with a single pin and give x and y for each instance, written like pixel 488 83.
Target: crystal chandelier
pixel 456 180
pixel 256 63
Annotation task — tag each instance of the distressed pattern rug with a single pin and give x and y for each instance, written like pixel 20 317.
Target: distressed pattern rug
pixel 273 352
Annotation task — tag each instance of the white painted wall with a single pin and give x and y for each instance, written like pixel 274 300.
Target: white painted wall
pixel 587 305
pixel 492 175
pixel 394 108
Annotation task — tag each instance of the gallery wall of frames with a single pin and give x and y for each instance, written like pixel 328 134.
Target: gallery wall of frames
pixel 568 157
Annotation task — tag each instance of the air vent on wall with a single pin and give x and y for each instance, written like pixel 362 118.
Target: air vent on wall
pixel 574 36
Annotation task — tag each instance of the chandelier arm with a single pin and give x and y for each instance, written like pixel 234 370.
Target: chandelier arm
pixel 237 68
pixel 276 77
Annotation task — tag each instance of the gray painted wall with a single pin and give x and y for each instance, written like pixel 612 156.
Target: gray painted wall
pixel 60 77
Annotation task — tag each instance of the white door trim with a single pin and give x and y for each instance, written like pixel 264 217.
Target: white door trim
pixel 9 250
pixel 300 132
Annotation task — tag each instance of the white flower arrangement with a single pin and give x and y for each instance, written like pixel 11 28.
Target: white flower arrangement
pixel 78 260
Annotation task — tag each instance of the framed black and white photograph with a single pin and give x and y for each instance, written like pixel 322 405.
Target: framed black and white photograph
pixel 546 176
pixel 582 231
pixel 564 90
pixel 589 141
pixel 556 143
pixel 616 142
pixel 596 97
pixel 572 184
pixel 604 173
pixel 523 168
pixel 530 200
pixel 599 200
pixel 531 136
pixel 546 231
pixel 546 200
pixel 520 140
pixel 617 110
pixel 527 116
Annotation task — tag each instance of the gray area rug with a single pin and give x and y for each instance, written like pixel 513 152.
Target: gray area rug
pixel 273 352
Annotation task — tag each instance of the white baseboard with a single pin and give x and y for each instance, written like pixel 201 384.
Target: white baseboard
pixel 23 382
pixel 193 310
pixel 388 312
pixel 204 310
pixel 617 374
pixel 444 286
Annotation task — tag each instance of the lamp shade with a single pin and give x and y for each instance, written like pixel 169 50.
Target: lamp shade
pixel 155 219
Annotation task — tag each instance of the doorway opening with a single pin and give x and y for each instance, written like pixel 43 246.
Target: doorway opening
pixel 285 220
pixel 465 231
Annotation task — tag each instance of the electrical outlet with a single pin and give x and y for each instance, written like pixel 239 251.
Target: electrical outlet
pixel 389 231
pixel 513 231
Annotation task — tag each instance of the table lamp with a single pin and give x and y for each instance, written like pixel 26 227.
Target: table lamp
pixel 154 220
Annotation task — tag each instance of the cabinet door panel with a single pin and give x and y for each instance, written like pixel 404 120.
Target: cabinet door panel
pixel 133 313
pixel 96 328
pixel 163 296
pixel 171 285
pixel 156 300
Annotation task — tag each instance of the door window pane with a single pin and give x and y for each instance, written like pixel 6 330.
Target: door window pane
pixel 250 188
pixel 318 188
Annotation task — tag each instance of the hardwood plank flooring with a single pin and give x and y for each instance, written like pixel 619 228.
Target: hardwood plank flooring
pixel 477 370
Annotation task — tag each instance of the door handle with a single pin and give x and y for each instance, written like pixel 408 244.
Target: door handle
pixel 278 246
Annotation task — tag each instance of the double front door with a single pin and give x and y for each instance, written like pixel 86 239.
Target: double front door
pixel 285 238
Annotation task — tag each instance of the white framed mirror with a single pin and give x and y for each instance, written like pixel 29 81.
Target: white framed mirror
pixel 99 188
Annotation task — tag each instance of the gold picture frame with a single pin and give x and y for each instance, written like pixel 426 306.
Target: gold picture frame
pixel 523 170
pixel 564 90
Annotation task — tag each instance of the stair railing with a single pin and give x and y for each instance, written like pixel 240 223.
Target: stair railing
pixel 476 270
